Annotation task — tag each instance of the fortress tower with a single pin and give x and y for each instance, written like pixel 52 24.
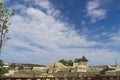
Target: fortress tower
pixel 81 64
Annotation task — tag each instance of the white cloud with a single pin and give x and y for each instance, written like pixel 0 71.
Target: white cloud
pixel 103 56
pixel 94 11
pixel 83 22
pixel 19 7
pixel 39 37
pixel 112 40
pixel 44 4
pixel 115 39
pixel 1 0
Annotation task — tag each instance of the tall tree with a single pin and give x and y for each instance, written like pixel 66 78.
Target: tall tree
pixel 5 14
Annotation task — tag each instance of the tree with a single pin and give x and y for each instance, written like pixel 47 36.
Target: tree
pixel 70 63
pixel 5 14
pixel 20 67
pixel 1 63
pixel 2 70
pixel 65 62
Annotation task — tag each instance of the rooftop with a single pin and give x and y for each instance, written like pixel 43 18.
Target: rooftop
pixel 81 59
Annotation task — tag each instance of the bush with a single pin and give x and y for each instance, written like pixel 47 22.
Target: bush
pixel 20 68
pixel 3 71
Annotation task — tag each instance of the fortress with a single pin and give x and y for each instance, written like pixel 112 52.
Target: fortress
pixel 79 65
pixel 80 68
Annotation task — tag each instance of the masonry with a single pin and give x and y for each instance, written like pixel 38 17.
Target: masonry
pixel 62 78
pixel 80 68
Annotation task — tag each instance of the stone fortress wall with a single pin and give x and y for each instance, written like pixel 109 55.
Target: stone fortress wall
pixel 80 68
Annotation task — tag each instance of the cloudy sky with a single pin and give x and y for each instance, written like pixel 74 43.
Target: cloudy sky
pixel 44 31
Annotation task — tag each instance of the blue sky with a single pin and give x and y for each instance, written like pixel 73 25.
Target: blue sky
pixel 45 31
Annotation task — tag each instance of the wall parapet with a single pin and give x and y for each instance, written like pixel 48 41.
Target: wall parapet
pixel 62 78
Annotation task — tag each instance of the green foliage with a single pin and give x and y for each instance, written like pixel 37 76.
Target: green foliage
pixel 65 62
pixel 3 71
pixel 70 63
pixel 5 14
pixel 1 63
pixel 21 67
